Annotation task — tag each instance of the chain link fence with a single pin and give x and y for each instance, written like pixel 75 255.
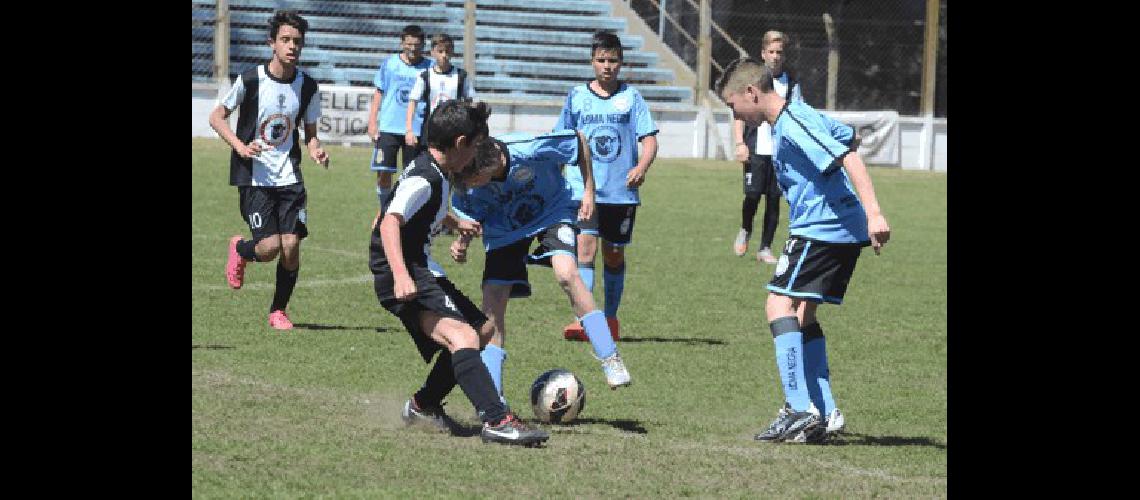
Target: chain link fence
pixel 879 44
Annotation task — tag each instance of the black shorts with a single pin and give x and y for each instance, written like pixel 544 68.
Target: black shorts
pixel 614 223
pixel 760 177
pixel 436 294
pixel 272 210
pixel 384 154
pixel 507 265
pixel 815 270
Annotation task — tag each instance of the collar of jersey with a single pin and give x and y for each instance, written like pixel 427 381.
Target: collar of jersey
pixel 621 87
pixel 296 72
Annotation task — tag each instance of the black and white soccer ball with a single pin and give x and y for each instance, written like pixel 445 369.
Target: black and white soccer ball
pixel 557 396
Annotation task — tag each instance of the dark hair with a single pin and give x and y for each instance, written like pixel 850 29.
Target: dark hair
pixel 454 118
pixel 606 41
pixel 442 39
pixel 488 156
pixel 290 17
pixel 412 30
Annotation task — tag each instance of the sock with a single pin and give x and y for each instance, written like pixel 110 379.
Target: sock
pixel 598 332
pixel 476 383
pixel 815 368
pixel 245 248
pixel 586 271
pixel 748 212
pixel 286 280
pixel 440 381
pixel 614 279
pixel 382 193
pixel 790 361
pixel 493 357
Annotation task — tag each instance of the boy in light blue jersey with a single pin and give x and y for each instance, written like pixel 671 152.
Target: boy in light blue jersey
pixel 394 79
pixel 834 213
pixel 615 118
pixel 522 196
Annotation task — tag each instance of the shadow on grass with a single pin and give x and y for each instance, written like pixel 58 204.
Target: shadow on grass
pixel 315 326
pixel 852 438
pixel 690 341
pixel 210 346
pixel 461 430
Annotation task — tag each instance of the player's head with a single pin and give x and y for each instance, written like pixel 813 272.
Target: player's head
pixel 442 48
pixel 287 36
pixel 412 41
pixel 606 56
pixel 746 87
pixel 455 127
pixel 489 160
pixel 772 50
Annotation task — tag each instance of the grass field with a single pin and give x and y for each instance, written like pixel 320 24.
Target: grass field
pixel 315 411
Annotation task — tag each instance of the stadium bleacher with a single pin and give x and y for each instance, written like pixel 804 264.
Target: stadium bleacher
pixel 526 50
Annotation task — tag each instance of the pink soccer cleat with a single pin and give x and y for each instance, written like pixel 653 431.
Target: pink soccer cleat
pixel 235 265
pixel 278 320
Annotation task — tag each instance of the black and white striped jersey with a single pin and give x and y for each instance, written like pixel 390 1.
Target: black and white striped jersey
pixel 420 196
pixel 269 113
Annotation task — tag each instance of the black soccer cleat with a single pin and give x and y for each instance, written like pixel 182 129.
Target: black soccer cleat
pixel 795 427
pixel 511 430
pixel 431 417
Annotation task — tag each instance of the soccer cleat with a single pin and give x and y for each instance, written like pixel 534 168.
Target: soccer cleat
pixel 278 320
pixel 835 422
pixel 511 430
pixel 740 246
pixel 431 417
pixel 794 427
pixel 616 374
pixel 574 331
pixel 765 255
pixel 235 265
pixel 615 328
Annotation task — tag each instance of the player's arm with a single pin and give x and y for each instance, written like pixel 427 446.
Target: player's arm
pixel 219 122
pixel 877 227
pixel 586 166
pixel 645 159
pixel 409 136
pixel 738 139
pixel 404 287
pixel 316 152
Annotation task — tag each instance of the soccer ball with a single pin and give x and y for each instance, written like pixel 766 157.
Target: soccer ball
pixel 557 396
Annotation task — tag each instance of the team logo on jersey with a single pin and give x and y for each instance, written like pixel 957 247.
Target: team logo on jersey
pixel 402 96
pixel 605 142
pixel 525 209
pixel 566 235
pixel 522 174
pixel 620 104
pixel 275 129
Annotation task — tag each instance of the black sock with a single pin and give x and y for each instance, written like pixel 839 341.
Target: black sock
pixel 476 383
pixel 439 382
pixel 771 219
pixel 286 280
pixel 748 212
pixel 245 248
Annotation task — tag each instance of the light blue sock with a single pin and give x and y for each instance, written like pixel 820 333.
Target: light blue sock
pixel 598 331
pixel 816 370
pixel 614 280
pixel 790 361
pixel 493 357
pixel 586 271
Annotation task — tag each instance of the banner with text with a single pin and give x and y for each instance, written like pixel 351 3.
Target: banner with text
pixel 879 131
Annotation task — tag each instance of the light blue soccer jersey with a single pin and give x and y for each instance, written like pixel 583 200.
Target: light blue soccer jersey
pixel 613 125
pixel 395 79
pixel 808 161
pixel 533 195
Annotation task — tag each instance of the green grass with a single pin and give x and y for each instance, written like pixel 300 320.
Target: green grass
pixel 314 412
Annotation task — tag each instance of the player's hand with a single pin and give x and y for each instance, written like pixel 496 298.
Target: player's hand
pixel 372 132
pixel 635 177
pixel 404 288
pixel 410 139
pixel 376 221
pixel 320 156
pixel 250 150
pixel 468 228
pixel 459 250
pixel 879 231
pixel 586 208
pixel 741 152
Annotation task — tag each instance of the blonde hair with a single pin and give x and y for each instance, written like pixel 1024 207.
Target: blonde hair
pixel 773 36
pixel 741 73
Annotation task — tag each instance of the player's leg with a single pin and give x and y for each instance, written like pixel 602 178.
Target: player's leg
pixel 816 369
pixel 291 222
pixel 799 420
pixel 747 211
pixel 256 205
pixel 615 224
pixel 587 249
pixel 384 164
pixel 593 321
pixel 495 298
pixel 766 174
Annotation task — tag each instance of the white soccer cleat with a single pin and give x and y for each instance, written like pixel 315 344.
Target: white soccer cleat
pixel 616 374
pixel 835 422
